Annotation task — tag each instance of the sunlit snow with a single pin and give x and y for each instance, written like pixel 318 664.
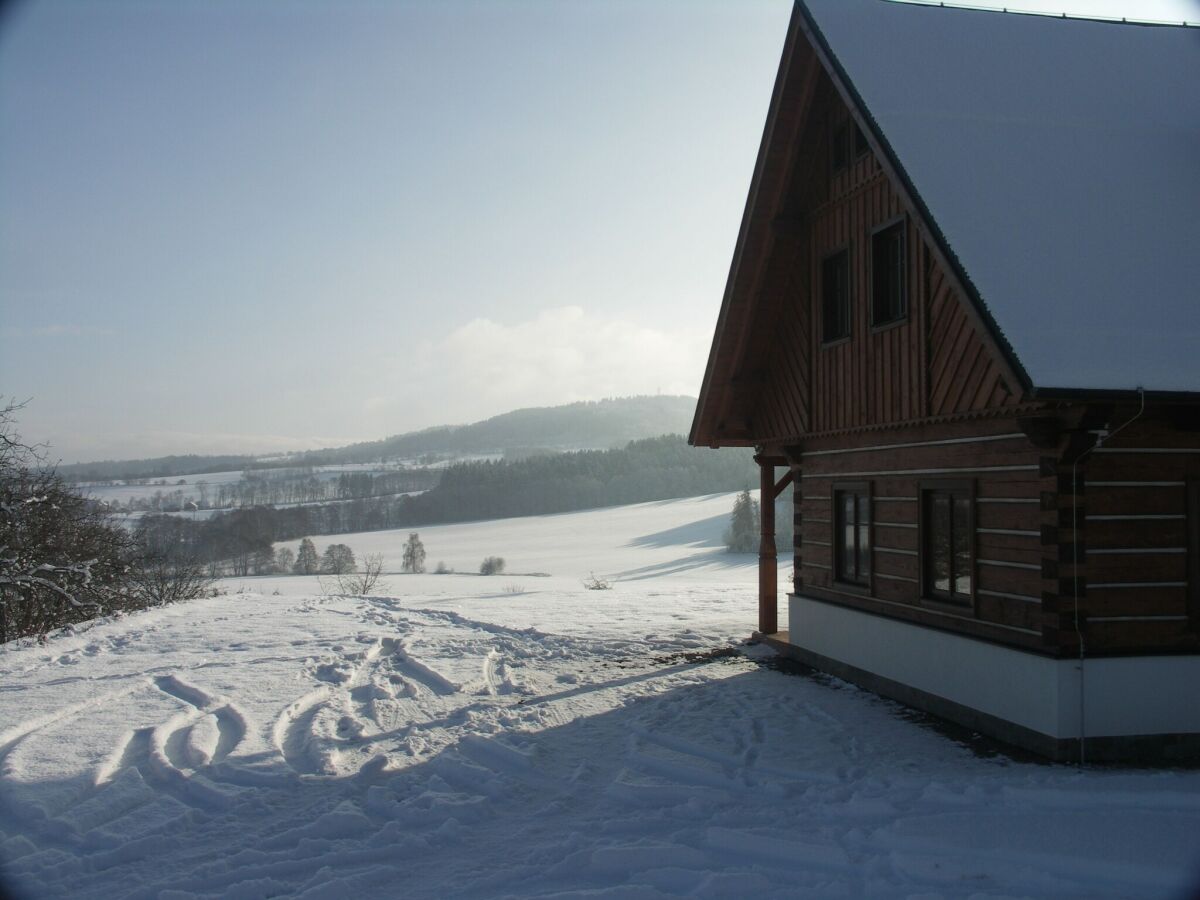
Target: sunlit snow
pixel 519 735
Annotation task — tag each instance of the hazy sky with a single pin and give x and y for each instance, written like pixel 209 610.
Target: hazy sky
pixel 266 225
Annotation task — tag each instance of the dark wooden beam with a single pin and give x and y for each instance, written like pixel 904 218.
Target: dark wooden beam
pixel 781 484
pixel 768 565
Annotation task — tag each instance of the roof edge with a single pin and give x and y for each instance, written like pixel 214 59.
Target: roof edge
pixel 695 436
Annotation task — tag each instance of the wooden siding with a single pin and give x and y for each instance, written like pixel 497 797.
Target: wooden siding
pixel 784 403
pixel 933 362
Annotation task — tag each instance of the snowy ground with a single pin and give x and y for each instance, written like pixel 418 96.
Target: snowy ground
pixel 454 739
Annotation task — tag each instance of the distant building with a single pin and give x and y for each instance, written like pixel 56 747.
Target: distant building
pixel 963 318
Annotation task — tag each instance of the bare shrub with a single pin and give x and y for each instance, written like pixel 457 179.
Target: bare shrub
pixel 366 578
pixel 513 588
pixel 442 569
pixel 492 565
pixel 596 584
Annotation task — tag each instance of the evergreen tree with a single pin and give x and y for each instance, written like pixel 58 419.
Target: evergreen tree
pixel 742 534
pixel 307 561
pixel 414 554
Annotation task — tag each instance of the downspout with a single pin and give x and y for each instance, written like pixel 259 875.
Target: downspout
pixel 1101 437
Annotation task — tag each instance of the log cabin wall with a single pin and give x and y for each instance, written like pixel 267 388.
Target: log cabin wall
pixel 1136 525
pixel 924 398
pixel 1007 476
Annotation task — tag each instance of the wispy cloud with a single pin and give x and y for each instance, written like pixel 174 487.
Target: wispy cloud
pixel 561 355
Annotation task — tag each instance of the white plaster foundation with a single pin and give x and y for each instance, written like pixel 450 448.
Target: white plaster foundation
pixel 1121 696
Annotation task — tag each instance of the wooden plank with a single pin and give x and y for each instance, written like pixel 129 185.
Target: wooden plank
pixel 1136 602
pixel 1136 533
pixel 1139 636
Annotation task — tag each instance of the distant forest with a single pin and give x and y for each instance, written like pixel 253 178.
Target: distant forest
pixel 601 424
pixel 653 469
pixel 271 487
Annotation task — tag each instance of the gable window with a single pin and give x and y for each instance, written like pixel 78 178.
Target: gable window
pixel 852 533
pixel 947 543
pixel 1193 551
pixel 839 146
pixel 860 142
pixel 889 292
pixel 835 297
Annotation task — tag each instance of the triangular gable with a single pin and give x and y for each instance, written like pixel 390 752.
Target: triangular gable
pixel 748 310
pixel 1056 162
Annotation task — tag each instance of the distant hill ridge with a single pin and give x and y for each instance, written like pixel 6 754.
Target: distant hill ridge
pixel 586 425
pixel 589 425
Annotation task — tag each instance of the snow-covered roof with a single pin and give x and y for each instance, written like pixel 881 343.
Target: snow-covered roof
pixel 1060 160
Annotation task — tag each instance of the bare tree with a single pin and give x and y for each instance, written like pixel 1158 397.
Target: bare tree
pixel 365 579
pixel 307 561
pixel 414 554
pixel 338 560
pixel 285 559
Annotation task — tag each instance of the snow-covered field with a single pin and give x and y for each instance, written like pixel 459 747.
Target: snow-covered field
pixel 455 738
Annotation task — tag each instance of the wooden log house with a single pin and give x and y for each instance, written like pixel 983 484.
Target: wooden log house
pixel 963 320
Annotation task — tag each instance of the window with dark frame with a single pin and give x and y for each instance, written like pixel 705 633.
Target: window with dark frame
pixel 1193 552
pixel 860 142
pixel 889 293
pixel 852 534
pixel 839 147
pixel 835 297
pixel 947 545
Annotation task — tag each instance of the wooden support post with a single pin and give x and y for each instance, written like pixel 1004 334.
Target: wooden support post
pixel 768 570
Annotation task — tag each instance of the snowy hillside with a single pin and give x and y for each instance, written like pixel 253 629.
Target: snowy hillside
pixel 677 538
pixel 520 736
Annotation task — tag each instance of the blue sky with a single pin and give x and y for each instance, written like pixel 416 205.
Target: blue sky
pixel 258 225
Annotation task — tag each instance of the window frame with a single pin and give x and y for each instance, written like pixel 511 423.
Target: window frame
pixel 929 596
pixel 865 582
pixel 843 250
pixel 1192 501
pixel 901 224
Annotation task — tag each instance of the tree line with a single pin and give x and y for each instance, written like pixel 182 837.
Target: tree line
pixel 651 469
pixel 284 487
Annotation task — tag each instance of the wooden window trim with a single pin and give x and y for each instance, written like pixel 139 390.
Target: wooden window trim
pixel 1193 552
pixel 867 587
pixel 848 250
pixel 933 601
pixel 902 221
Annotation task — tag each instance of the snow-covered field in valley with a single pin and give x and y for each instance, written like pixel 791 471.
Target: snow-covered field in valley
pixel 461 736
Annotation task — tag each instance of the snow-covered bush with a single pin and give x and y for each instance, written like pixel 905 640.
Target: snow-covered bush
pixel 593 583
pixel 63 560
